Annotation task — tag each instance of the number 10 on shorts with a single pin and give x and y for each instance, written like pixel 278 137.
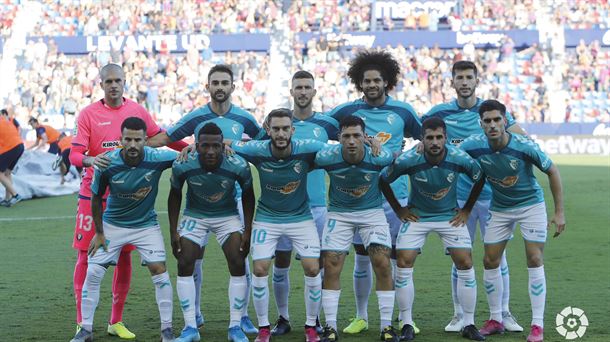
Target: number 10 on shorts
pixel 259 236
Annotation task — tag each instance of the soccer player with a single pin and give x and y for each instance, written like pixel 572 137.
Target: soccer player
pixel 211 207
pixel 133 182
pixel 283 165
pixel 234 122
pixel 98 130
pixel 507 161
pixel 355 208
pixel 307 125
pixel 45 134
pixel 433 176
pixel 375 73
pixel 462 119
pixel 11 149
pixel 63 160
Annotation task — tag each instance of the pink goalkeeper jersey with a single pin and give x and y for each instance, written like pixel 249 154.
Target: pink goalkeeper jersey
pixel 98 130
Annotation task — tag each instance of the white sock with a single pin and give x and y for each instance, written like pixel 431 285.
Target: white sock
pixel 467 292
pixel 505 283
pixel 260 293
pixel 281 290
pixel 330 303
pixel 363 283
pixel 405 293
pixel 238 292
pixel 386 307
pixel 91 294
pixel 393 263
pixel 313 294
pixel 493 287
pixel 457 307
pixel 185 286
pixel 537 290
pixel 164 295
pixel 198 279
pixel 244 312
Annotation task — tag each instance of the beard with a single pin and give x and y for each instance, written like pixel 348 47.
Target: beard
pixel 296 103
pixel 224 98
pixel 281 147
pixel 380 93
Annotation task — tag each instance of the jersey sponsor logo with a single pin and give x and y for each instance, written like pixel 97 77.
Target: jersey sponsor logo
pixel 355 192
pixel 422 179
pixel 383 137
pixel 514 164
pixel 451 122
pixel 456 141
pixel 240 143
pixel 214 197
pixel 285 189
pixel 266 169
pixel 340 176
pixel 111 144
pixel 505 182
pixel 298 167
pixel 106 123
pixel 138 195
pixel 437 196
pixel 117 181
pixel 485 161
pixel 194 183
pixel 450 177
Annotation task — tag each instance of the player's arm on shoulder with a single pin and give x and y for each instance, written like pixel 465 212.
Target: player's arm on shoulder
pixel 158 140
pixel 248 201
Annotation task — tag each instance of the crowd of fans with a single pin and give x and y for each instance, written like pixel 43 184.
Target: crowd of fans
pixel 112 17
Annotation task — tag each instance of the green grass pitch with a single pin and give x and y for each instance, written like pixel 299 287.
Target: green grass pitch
pixel 37 263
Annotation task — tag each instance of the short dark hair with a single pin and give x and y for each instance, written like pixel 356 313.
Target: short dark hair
pixel 302 74
pixel 134 123
pixel 221 68
pixel 433 123
pixel 489 105
pixel 4 111
pixel 209 129
pixel 351 121
pixel 381 61
pixel 464 65
pixel 278 113
pixel 32 119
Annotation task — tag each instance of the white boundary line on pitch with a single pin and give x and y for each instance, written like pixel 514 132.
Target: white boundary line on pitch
pixel 42 218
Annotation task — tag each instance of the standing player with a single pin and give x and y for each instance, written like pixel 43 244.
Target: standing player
pixel 507 160
pixel 462 119
pixel 283 209
pixel 432 208
pixel 97 132
pixel 45 134
pixel 390 121
pixel 307 125
pixel 11 149
pixel 234 122
pixel 355 208
pixel 211 207
pixel 133 182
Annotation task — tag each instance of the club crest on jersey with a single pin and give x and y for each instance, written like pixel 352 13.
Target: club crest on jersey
pixel 514 164
pixel 111 144
pixel 298 167
pixel 214 197
pixel 355 192
pixel 317 132
pixel 437 196
pixel 138 195
pixel 285 189
pixel 450 177
pixel 391 118
pixel 505 182
pixel 235 128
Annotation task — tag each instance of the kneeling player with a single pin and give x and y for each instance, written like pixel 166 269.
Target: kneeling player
pixel 211 207
pixel 355 207
pixel 507 160
pixel 432 203
pixel 133 178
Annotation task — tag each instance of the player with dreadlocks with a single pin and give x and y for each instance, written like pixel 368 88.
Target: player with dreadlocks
pixel 375 74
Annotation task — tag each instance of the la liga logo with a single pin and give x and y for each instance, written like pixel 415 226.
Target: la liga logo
pixel 571 323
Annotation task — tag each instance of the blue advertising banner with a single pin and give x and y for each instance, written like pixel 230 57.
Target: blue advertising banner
pixel 573 37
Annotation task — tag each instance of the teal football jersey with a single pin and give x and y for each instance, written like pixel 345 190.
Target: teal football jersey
pixel 461 124
pixel 283 182
pixel 509 171
pixel 433 194
pixel 233 124
pixel 390 123
pixel 211 193
pixel 353 187
pixel 322 128
pixel 133 190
